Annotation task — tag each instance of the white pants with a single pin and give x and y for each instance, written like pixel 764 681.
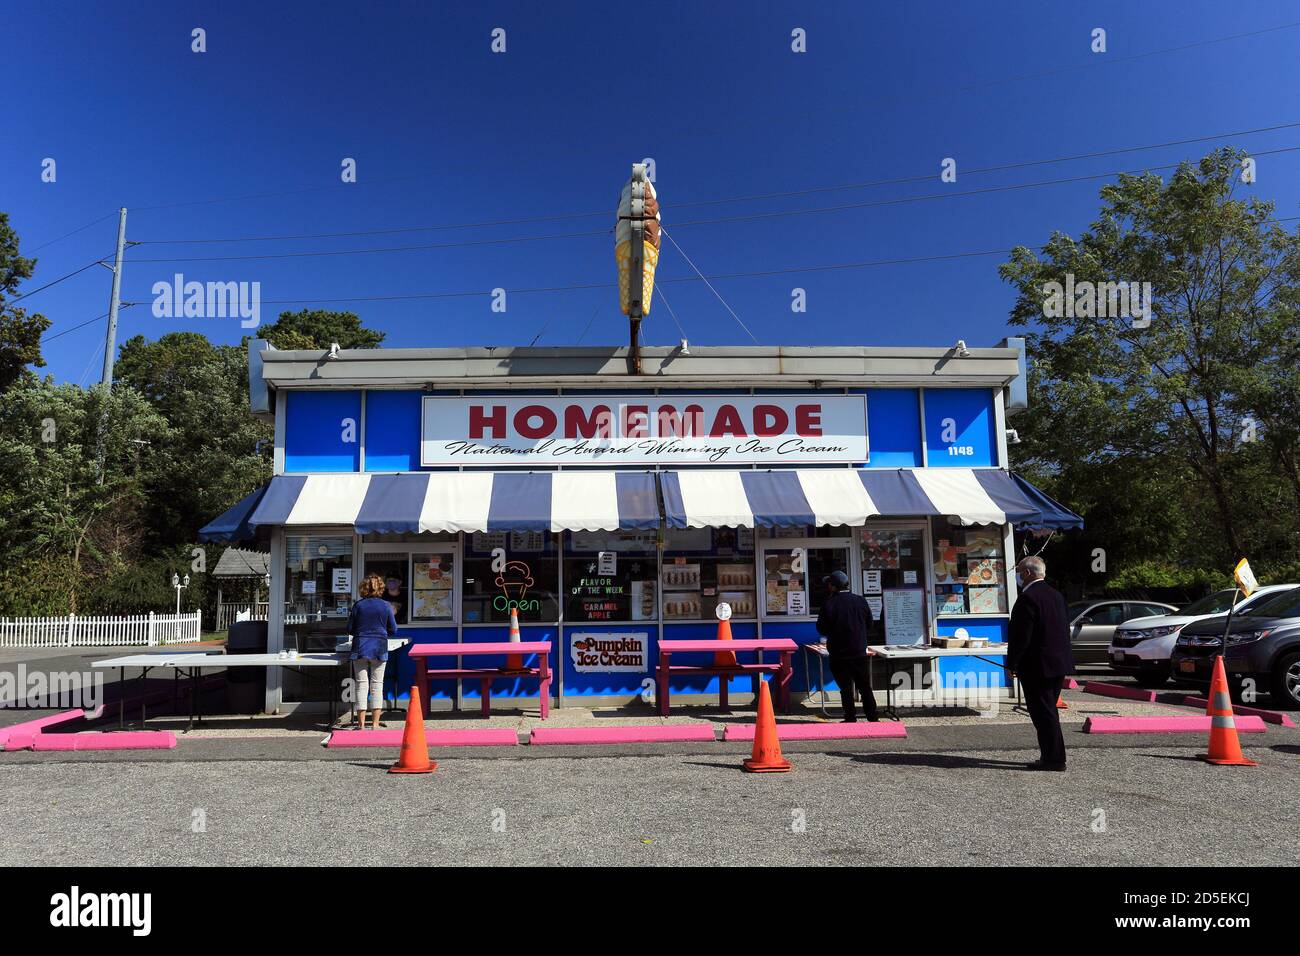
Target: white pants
pixel 370 682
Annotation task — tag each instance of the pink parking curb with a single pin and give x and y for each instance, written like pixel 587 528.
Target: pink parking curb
pixel 20 736
pixel 1165 725
pixel 1070 684
pixel 476 737
pixel 98 740
pixel 1269 716
pixel 621 735
pixel 1117 690
pixel 841 731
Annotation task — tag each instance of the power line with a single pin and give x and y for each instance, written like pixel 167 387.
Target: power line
pixel 354 252
pixel 51 338
pixel 1107 60
pixel 681 252
pixel 28 295
pixel 929 177
pixel 782 214
pixel 748 217
pixel 830 267
pixel 664 299
pixel 75 231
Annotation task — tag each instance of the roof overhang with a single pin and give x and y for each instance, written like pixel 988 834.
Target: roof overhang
pixel 701 366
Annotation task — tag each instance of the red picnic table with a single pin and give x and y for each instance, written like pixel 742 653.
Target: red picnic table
pixel 485 675
pixel 783 646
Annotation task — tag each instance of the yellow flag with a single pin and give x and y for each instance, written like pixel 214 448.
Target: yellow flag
pixel 1244 578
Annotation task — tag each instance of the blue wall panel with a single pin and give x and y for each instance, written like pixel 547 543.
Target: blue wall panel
pixel 967 414
pixel 971 671
pixel 393 431
pixel 894 427
pixel 314 431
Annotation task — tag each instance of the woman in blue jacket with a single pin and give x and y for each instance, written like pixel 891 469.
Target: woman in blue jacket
pixel 371 623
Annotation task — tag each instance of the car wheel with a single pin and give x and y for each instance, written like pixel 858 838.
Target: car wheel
pixel 1286 682
pixel 1153 677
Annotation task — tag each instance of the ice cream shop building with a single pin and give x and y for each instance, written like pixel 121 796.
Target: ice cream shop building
pixel 611 509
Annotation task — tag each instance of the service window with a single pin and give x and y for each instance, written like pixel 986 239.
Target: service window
pixel 792 576
pixel 707 566
pixel 611 576
pixel 892 559
pixel 318 579
pixel 510 569
pixel 970 569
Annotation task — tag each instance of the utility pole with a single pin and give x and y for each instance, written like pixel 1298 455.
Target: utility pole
pixel 110 338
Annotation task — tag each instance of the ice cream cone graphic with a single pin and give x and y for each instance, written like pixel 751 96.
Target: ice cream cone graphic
pixel 514 580
pixel 638 215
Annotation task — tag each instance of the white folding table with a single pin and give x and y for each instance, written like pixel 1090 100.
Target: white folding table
pixel 192 664
pixel 893 652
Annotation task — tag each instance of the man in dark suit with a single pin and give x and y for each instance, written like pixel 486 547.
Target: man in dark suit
pixel 1038 652
pixel 844 620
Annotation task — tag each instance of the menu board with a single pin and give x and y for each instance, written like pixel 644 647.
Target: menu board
pixel 905 616
pixel 431 587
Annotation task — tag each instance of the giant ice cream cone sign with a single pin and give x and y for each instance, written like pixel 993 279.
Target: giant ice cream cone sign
pixel 636 243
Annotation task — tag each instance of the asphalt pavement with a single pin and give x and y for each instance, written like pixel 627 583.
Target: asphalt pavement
pixel 887 802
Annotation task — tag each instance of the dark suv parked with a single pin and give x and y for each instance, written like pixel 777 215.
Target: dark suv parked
pixel 1263 646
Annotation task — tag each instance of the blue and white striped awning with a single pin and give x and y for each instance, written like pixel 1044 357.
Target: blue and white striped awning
pixel 463 501
pixel 841 496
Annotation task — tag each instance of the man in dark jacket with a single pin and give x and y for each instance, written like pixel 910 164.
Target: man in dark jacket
pixel 843 621
pixel 1038 652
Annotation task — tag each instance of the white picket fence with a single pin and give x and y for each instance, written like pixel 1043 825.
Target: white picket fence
pixel 73 631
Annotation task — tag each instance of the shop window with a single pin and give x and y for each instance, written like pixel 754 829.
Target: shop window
pixel 505 569
pixel 392 567
pixel 432 586
pixel 970 569
pixel 792 579
pixel 611 576
pixel 318 579
pixel 893 570
pixel 705 566
pixel 318 597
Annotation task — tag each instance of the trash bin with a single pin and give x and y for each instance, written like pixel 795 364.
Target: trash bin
pixel 246 686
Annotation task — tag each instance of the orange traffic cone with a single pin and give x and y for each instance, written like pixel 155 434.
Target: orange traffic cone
pixel 514 662
pixel 724 658
pixel 414 755
pixel 766 757
pixel 1225 748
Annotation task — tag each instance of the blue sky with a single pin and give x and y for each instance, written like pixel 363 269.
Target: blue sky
pixel 446 132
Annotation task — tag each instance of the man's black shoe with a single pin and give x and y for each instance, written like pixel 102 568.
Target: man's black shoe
pixel 1039 765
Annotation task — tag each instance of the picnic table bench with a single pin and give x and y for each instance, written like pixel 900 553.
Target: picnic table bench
pixel 422 653
pixel 781 670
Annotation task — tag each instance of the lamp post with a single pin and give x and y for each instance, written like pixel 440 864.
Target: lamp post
pixel 179 585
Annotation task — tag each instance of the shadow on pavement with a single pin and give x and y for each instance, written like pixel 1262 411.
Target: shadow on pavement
pixel 941 761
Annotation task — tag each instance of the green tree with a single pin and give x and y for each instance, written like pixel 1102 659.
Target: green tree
pixel 20 331
pixel 216 451
pixel 1146 417
pixel 319 329
pixel 59 503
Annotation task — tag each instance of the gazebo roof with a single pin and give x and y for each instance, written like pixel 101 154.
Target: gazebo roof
pixel 238 563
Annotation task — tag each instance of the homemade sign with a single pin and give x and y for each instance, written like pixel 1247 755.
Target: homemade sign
pixel 610 431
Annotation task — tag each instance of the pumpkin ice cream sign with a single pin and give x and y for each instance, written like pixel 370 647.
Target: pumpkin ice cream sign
pixel 611 431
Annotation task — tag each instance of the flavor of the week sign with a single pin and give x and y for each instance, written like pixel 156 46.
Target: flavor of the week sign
pixel 528 431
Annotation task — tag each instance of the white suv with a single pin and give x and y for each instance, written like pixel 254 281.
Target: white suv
pixel 1142 646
